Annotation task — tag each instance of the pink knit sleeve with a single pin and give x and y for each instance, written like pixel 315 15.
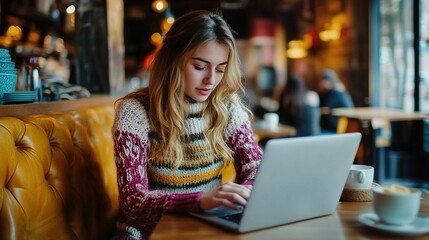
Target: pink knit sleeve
pixel 142 206
pixel 247 153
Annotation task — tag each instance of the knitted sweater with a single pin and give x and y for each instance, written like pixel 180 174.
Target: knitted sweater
pixel 147 190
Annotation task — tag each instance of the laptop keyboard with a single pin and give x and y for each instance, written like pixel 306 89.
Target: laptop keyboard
pixel 233 217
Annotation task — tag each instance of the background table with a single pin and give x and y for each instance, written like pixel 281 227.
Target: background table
pixel 263 133
pixel 366 119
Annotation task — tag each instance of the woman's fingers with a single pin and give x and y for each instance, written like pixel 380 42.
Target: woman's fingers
pixel 234 193
pixel 234 198
pixel 230 195
pixel 243 190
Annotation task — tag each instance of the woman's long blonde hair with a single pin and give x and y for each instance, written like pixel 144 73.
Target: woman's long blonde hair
pixel 165 92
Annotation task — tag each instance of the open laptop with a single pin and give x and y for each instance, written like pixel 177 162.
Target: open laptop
pixel 298 179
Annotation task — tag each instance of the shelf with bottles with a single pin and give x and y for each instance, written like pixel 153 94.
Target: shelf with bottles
pixel 40 28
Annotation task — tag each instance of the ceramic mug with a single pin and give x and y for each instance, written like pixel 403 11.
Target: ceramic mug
pixel 360 177
pixel 271 121
pixel 396 208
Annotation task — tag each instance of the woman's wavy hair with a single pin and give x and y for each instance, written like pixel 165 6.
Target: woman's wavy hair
pixel 167 103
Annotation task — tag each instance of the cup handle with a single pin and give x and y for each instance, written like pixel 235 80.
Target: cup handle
pixel 361 177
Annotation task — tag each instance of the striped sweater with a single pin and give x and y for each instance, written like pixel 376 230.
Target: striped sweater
pixel 201 169
pixel 147 190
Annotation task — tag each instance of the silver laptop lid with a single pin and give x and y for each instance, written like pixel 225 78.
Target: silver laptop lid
pixel 299 178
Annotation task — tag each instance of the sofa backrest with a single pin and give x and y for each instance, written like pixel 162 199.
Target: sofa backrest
pixel 59 176
pixel 36 181
pixel 98 122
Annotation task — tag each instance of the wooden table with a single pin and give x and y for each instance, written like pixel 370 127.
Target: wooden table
pixel 282 131
pixel 340 225
pixel 365 120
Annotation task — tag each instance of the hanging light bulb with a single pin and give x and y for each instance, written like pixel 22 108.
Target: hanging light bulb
pixel 159 6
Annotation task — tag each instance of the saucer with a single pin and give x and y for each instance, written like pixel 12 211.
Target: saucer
pixel 418 227
pixel 19 97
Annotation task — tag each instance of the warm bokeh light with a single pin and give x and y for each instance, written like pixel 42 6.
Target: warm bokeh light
pixel 170 20
pixel 332 30
pixel 5 41
pixel 166 24
pixel 70 9
pixel 329 35
pixel 159 6
pixel 14 32
pixel 156 39
pixel 296 49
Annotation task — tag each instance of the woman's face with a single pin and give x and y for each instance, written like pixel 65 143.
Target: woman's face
pixel 204 70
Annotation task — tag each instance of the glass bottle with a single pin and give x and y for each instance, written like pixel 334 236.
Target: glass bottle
pixel 33 80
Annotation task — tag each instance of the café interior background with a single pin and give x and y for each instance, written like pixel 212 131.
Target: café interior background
pixel 379 48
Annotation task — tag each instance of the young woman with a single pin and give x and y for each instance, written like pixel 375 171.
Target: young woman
pixel 174 138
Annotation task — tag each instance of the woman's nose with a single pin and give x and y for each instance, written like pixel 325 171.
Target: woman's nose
pixel 209 78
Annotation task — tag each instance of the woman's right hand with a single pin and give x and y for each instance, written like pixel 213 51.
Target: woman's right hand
pixel 230 195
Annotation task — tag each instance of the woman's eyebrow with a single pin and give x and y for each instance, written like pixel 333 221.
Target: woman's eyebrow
pixel 205 61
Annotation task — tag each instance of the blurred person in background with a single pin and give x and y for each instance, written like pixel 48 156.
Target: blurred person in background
pixel 332 94
pixel 299 107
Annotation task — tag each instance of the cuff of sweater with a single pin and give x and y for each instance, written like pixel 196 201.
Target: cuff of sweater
pixel 185 202
pixel 248 182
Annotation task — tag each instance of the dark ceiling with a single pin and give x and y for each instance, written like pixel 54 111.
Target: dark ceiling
pixel 180 7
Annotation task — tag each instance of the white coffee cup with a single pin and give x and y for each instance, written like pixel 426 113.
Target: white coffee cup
pixel 396 208
pixel 360 177
pixel 271 121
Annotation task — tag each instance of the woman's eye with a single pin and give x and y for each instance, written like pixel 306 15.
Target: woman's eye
pixel 199 68
pixel 220 70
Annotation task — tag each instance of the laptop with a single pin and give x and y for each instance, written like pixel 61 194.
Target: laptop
pixel 299 178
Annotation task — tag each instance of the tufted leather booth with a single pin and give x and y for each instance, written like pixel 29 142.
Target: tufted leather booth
pixel 58 175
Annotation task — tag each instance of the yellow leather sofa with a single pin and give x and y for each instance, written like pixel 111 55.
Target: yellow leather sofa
pixel 58 175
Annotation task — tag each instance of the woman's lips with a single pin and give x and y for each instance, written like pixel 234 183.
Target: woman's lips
pixel 204 91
